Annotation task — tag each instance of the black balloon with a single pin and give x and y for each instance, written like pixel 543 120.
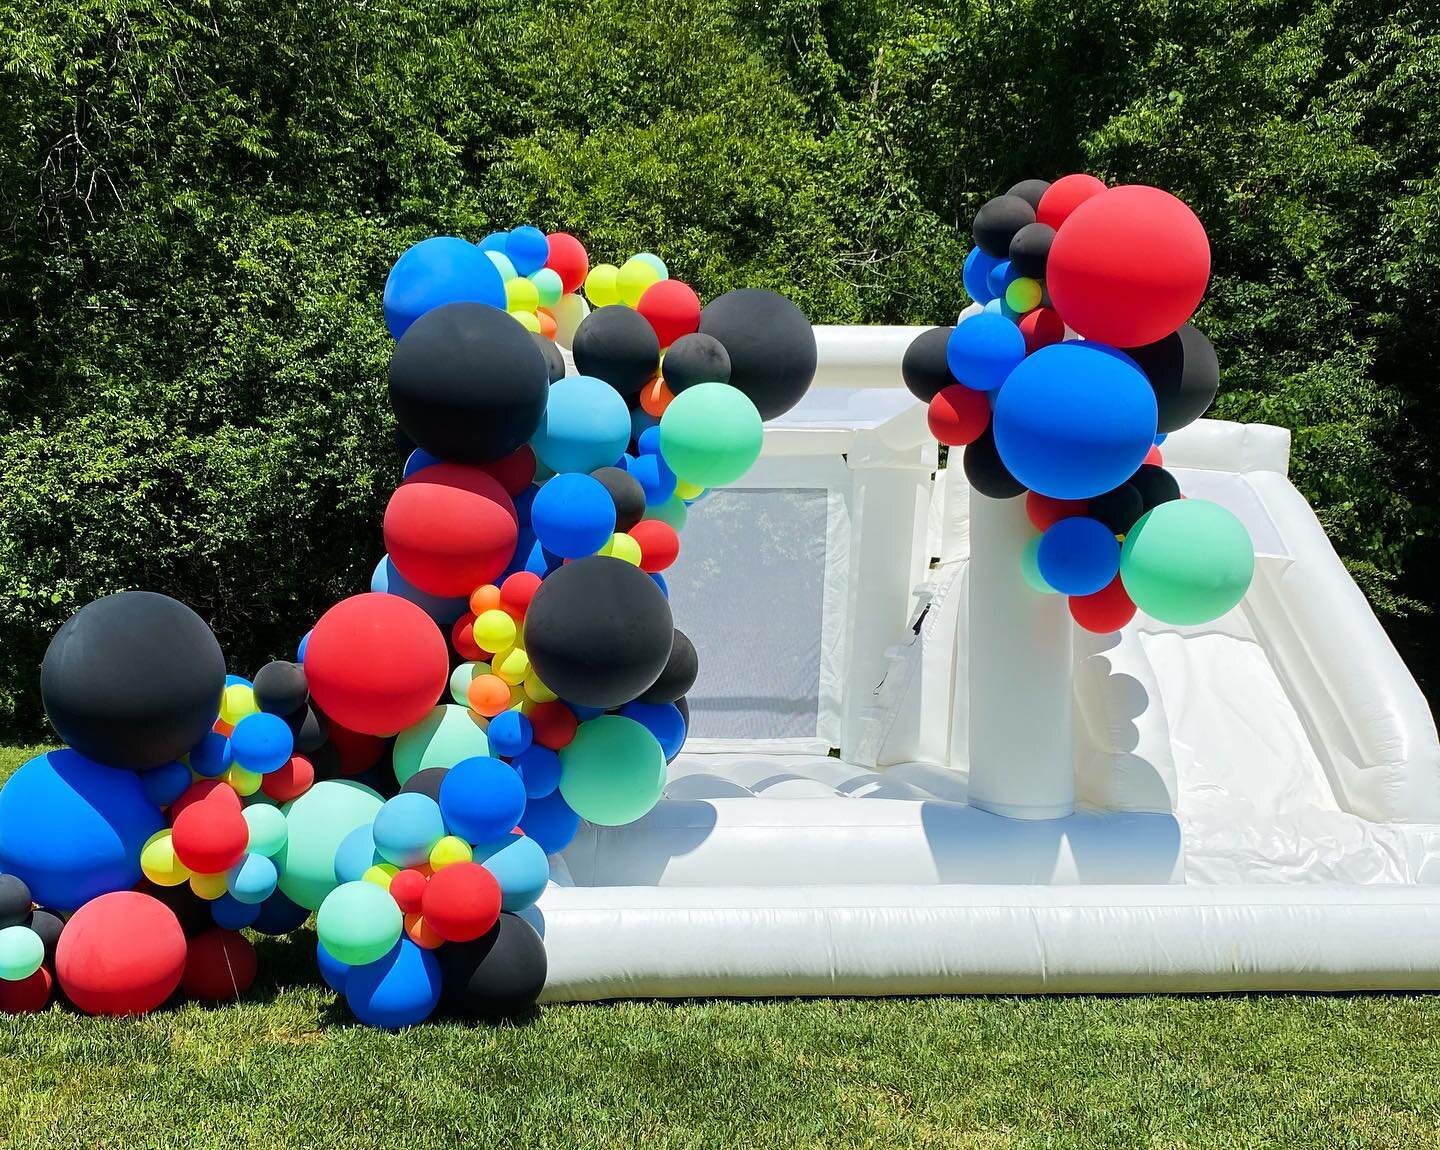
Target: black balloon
pixel 309 732
pixel 280 687
pixel 14 901
pixel 380 778
pixel 1030 249
pixel 325 758
pixel 598 632
pixel 1155 484
pixel 468 383
pixel 770 343
pixel 987 472
pixel 996 223
pixel 617 344
pixel 1185 373
pixel 133 680
pixel 695 358
pixel 683 706
pixel 48 925
pixel 554 361
pixel 1030 191
pixel 425 782
pixel 192 910
pixel 626 493
pixel 680 672
pixel 1118 509
pixel 924 368
pixel 498 976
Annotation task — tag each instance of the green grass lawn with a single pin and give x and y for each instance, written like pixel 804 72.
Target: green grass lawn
pixel 287 1068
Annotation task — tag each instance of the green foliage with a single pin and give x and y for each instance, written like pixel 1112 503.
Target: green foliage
pixel 201 202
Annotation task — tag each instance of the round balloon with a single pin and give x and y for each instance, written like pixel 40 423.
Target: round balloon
pixel 612 771
pixel 681 669
pixel 262 742
pixel 519 866
pixel 1030 250
pixel 1106 610
pixel 984 350
pixel 925 367
pixel 461 902
pixel 1185 373
pixel 317 823
pixel 770 344
pixel 711 434
pixel 618 345
pixel 400 989
pixel 220 966
pixel 358 923
pixel 625 493
pixel 435 272
pixel 586 425
pixel 527 249
pixel 406 827
pixel 121 953
pixel 695 358
pixel 387 580
pixel 499 975
pixel 958 415
pixel 567 257
pixel 671 308
pixel 1187 562
pixel 481 799
pixel 997 221
pixel 450 529
pixel 1065 195
pixel 986 471
pixel 573 515
pixel 1078 556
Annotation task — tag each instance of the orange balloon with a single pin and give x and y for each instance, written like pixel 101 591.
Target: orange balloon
pixel 655 397
pixel 488 695
pixel 548 326
pixel 419 932
pixel 485 598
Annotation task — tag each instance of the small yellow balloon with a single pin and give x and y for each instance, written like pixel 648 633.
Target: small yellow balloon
pixel 237 701
pixel 521 294
pixel 208 886
pixel 449 851
pixel 528 320
pixel 569 313
pixel 381 874
pixel 655 262
pixel 158 862
pixel 622 546
pixel 634 277
pixel 600 285
pixel 512 666
pixel 494 630
pixel 687 490
pixel 1023 294
pixel 244 782
pixel 536 691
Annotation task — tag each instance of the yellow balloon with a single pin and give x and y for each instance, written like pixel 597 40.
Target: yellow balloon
pixel 622 546
pixel 208 886
pixel 512 666
pixel 237 702
pixel 528 320
pixel 687 490
pixel 655 262
pixel 158 862
pixel 449 851
pixel 244 782
pixel 569 313
pixel 600 287
pixel 494 630
pixel 634 277
pixel 537 691
pixel 521 294
pixel 1024 294
pixel 381 874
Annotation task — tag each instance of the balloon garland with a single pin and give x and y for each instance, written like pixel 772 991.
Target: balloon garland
pixel 1060 383
pixel 513 668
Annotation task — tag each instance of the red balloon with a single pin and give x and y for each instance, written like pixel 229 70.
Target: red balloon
pixel 515 472
pixel 659 544
pixel 1154 457
pixel 461 902
pixel 201 790
pixel 210 836
pixel 291 781
pixel 1045 512
pixel 958 415
pixel 376 663
pixel 450 528
pixel 1041 327
pixel 568 259
pixel 220 966
pixel 462 637
pixel 357 750
pixel 672 309
pixel 1129 267
pixel 121 953
pixel 517 591
pixel 407 888
pixel 1107 610
pixel 1064 196
pixel 553 723
pixel 27 996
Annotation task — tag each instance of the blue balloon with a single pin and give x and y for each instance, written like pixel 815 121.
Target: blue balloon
pixel 406 827
pixel 978 266
pixel 237 681
pixel 1161 438
pixel 663 720
pixel 524 503
pixel 1073 422
pixel 519 866
pixel 660 582
pixel 440 270
pixel 262 742
pixel 550 822
pixel 539 770
pixel 278 915
pixel 584 713
pixel 528 250
pixel 586 425
pixel 252 880
pixel 230 913
pixel 335 973
pixel 72 829
pixel 387 580
pixel 399 990
pixel 655 478
pixel 300 650
pixel 995 307
pixel 482 799
pixel 163 785
pixel 510 734
pixel 211 756
pixel 648 441
pixel 573 515
pixel 984 350
pixel 494 242
pixel 640 422
pixel 1000 277
pixel 356 854
pixel 418 460
pixel 539 561
pixel 1078 556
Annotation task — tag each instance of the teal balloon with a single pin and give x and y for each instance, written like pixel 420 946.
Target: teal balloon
pixel 21 953
pixel 673 511
pixel 711 434
pixel 359 923
pixel 1030 565
pixel 1187 562
pixel 316 824
pixel 447 735
pixel 612 771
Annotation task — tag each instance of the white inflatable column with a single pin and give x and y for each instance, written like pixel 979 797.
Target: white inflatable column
pixel 1021 704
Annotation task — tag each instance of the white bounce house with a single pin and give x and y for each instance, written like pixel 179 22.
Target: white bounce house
pixel 910 773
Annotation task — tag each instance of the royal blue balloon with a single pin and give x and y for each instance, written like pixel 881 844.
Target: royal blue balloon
pixel 978 267
pixel 573 515
pixel 1078 556
pixel 510 733
pixel 335 973
pixel 655 478
pixel 482 799
pixel 356 854
pixel 300 650
pixel 528 250
pixel 586 425
pixel 984 350
pixel 387 580
pixel 230 913
pixel 406 827
pixel 660 582
pixel 494 242
pixel 72 829
pixel 524 502
pixel 584 713
pixel 538 768
pixel 519 866
pixel 1073 422
pixel 649 441
pixel 165 784
pixel 1161 438
pixel 278 915
pixel 399 990
pixel 550 822
pixel 663 720
pixel 1000 277
pixel 262 742
pixel 211 756
pixel 418 460
pixel 540 562
pixel 440 270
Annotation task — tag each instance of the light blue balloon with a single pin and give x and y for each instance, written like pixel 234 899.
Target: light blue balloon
pixel 356 854
pixel 586 425
pixel 252 880
pixel 406 827
pixel 437 271
pixel 519 866
pixel 387 580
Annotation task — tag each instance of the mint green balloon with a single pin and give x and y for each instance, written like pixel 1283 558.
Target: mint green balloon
pixel 359 923
pixel 612 771
pixel 673 511
pixel 655 262
pixel 548 286
pixel 21 953
pixel 444 737
pixel 316 823
pixel 1030 568
pixel 1187 562
pixel 268 829
pixel 711 434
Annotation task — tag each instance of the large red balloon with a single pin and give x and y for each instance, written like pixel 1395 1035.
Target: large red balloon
pixel 1107 610
pixel 515 472
pixel 1064 196
pixel 1129 266
pixel 450 528
pixel 210 836
pixel 461 901
pixel 376 663
pixel 121 953
pixel 568 259
pixel 219 966
pixel 672 308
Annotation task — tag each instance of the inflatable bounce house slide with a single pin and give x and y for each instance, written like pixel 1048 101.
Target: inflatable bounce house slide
pixel 1084 702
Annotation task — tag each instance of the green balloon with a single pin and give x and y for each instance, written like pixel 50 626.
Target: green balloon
pixel 711 434
pixel 1030 568
pixel 21 953
pixel 359 923
pixel 268 828
pixel 316 823
pixel 673 511
pixel 444 737
pixel 612 771
pixel 1187 562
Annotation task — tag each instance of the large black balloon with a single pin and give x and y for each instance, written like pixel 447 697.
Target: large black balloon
pixel 695 358
pixel 280 687
pixel 1155 484
pixel 770 343
pixel 598 632
pixel 987 471
pixel 626 493
pixel 681 670
pixel 554 361
pixel 1030 250
pixel 1118 509
pixel 14 901
pixel 617 344
pixel 924 368
pixel 1030 191
pixel 499 975
pixel 192 910
pixel 1185 373
pixel 996 223
pixel 468 383
pixel 133 680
